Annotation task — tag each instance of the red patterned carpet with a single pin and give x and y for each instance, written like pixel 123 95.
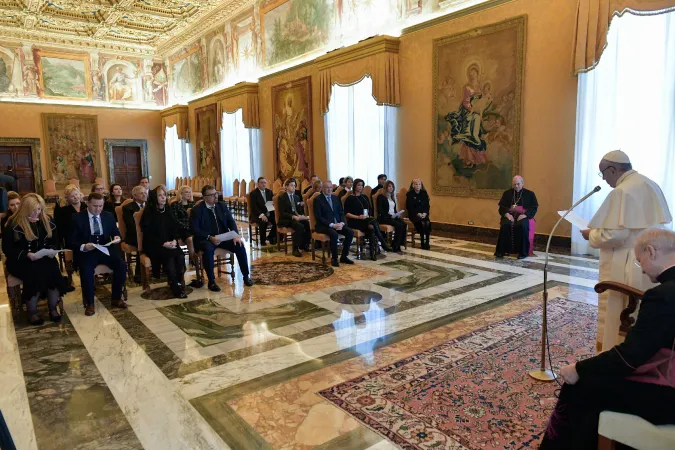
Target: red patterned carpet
pixel 472 392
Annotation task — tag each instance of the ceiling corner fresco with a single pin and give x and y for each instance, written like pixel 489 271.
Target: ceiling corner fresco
pixel 154 53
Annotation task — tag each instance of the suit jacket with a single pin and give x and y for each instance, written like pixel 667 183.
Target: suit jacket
pixel 201 222
pixel 324 214
pixel 128 211
pixel 383 207
pixel 80 232
pixel 63 218
pixel 286 209
pixel 258 203
pixel 653 330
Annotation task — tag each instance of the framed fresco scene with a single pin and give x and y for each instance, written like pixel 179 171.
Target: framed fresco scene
pixel 292 120
pixel 206 129
pixel 64 76
pixel 71 146
pixel 477 86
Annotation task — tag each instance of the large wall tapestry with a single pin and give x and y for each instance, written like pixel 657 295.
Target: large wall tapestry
pixel 477 81
pixel 206 128
pixel 292 110
pixel 71 148
pixel 293 28
pixel 64 76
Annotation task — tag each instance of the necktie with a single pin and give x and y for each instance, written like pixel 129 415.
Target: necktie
pixel 292 202
pixel 330 202
pixel 264 198
pixel 97 227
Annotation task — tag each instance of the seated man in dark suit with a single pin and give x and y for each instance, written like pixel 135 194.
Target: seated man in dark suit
pixel 209 219
pixel 259 199
pixel 330 220
pixel 292 215
pixel 140 195
pixel 95 226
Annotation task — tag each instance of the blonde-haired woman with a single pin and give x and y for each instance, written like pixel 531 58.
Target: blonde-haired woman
pixel 63 215
pixel 28 231
pixel 179 210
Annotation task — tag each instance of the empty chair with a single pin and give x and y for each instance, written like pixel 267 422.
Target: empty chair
pixel 51 195
pixel 324 239
pixel 74 181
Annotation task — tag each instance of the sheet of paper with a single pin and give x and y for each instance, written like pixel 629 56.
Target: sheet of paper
pixel 227 236
pixel 102 249
pixel 575 219
pixel 112 242
pixel 269 205
pixel 46 252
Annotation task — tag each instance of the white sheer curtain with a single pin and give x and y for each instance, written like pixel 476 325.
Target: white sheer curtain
pixel 177 157
pixel 628 102
pixel 360 135
pixel 239 151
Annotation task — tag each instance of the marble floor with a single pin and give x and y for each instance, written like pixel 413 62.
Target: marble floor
pixel 242 368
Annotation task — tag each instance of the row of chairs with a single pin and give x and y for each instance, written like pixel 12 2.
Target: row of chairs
pixel 239 200
pixel 197 183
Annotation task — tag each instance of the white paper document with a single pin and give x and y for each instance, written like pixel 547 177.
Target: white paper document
pixel 113 242
pixel 575 219
pixel 102 249
pixel 398 214
pixel 227 236
pixel 46 252
pixel 269 205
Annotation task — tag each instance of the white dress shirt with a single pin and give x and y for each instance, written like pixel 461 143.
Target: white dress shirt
pixel 91 226
pixel 392 207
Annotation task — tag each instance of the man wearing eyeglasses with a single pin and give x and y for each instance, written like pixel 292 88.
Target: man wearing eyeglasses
pixel 211 219
pixel 635 204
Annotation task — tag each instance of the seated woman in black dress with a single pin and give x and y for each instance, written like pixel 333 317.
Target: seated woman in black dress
pixel 417 204
pixel 28 231
pixel 115 199
pixel 63 215
pixel 359 214
pixel 160 240
pixel 13 205
pixel 389 215
pixel 179 211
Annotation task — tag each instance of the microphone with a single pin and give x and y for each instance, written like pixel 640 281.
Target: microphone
pixel 542 374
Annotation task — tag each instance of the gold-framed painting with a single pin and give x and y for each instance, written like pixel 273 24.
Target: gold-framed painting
pixel 478 85
pixel 64 76
pixel 206 128
pixel 292 119
pixel 71 148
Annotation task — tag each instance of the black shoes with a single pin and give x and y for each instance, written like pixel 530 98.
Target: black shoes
pixel 522 256
pixel 248 281
pixel 297 253
pixel 345 260
pixel 35 319
pixel 499 255
pixel 54 316
pixel 213 286
pixel 334 263
pixel 196 283
pixel 386 247
pixel 306 248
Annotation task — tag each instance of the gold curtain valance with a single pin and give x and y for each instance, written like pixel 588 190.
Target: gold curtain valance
pixel 376 57
pixel 176 115
pixel 244 96
pixel 593 19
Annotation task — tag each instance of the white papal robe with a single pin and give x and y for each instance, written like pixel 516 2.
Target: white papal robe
pixel 635 204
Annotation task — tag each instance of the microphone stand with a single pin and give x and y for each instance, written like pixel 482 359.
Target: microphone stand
pixel 543 374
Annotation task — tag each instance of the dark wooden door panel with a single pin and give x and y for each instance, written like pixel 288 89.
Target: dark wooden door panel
pixel 21 159
pixel 128 171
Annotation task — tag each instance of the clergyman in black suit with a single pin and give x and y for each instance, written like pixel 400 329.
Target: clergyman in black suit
pixel 330 220
pixel 209 219
pixel 96 226
pixel 259 212
pixel 292 215
pixel 636 377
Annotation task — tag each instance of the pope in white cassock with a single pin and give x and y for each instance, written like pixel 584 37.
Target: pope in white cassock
pixel 635 203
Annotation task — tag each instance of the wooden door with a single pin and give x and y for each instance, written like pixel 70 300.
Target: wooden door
pixel 128 172
pixel 21 159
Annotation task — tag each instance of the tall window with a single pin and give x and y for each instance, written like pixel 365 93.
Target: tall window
pixel 628 102
pixel 360 135
pixel 239 151
pixel 177 157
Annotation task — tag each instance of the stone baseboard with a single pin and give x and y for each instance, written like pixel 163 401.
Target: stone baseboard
pixel 472 232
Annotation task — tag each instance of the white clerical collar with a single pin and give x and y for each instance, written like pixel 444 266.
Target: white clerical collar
pixel 623 177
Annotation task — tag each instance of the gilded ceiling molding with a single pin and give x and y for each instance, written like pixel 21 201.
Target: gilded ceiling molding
pixel 244 96
pixel 376 57
pixel 176 115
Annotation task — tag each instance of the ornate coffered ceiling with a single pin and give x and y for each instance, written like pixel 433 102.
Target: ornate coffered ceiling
pixel 133 26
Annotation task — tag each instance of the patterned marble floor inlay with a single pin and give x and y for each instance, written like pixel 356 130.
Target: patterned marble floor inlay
pixel 356 297
pixel 243 368
pixel 210 323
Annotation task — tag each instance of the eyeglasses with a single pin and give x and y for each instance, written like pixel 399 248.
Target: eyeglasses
pixel 210 195
pixel 637 263
pixel 601 174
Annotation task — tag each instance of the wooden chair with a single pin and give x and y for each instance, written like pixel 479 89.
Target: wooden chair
pixel 221 257
pixel 305 183
pixel 101 181
pixel 146 264
pixel 359 236
pixel 219 186
pixel 401 199
pixel 233 200
pixel 323 238
pixel 102 274
pixel 626 428
pixel 51 194
pixel 367 191
pixel 243 205
pixel 281 231
pixel 387 229
pixel 337 191
pixel 74 181
pixel 252 226
pixel 130 252
pixel 277 186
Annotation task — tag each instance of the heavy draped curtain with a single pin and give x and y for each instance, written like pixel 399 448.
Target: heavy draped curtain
pixel 628 102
